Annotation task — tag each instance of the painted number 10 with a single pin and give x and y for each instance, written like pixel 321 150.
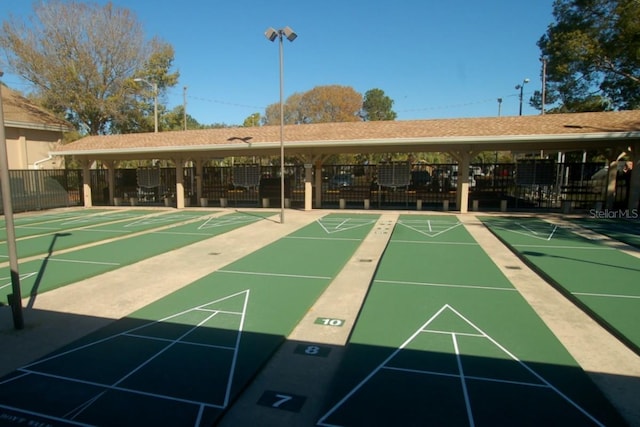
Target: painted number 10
pixel 329 322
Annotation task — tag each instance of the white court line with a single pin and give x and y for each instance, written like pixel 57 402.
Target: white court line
pixel 592 248
pixel 128 332
pixel 422 329
pixel 529 232
pixel 37 228
pixel 45 416
pixel 526 367
pixel 92 230
pixel 606 295
pixel 471 377
pixel 116 388
pixel 22 277
pixel 193 343
pixel 323 238
pixel 181 233
pixel 430 242
pixel 336 225
pixel 463 382
pixel 429 234
pixel 75 261
pixel 443 285
pixel 375 371
pixel 257 273
pixel 171 344
pixel 224 221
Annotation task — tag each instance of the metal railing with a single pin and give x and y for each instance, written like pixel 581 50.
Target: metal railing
pixel 33 190
pixel 527 185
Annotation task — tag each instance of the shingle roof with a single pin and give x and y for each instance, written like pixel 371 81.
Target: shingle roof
pixel 356 135
pixel 20 112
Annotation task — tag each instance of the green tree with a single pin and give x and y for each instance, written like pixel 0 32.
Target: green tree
pixel 252 120
pixel 174 120
pixel 377 106
pixel 81 59
pixel 593 55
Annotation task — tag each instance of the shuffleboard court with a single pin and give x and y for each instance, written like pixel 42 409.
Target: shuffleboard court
pixel 47 223
pixel 33 223
pixel 600 279
pixel 90 229
pixel 53 271
pixel 623 230
pixel 182 360
pixel 443 338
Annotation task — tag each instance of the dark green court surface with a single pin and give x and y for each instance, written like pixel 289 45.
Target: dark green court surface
pixel 30 224
pixel 621 229
pixel 600 279
pixel 53 270
pixel 444 339
pixel 49 236
pixel 182 360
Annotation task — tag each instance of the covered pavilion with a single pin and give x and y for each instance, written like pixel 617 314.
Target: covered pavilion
pixel 463 138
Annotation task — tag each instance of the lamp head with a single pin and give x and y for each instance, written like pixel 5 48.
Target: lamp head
pixel 289 34
pixel 271 34
pixel 526 81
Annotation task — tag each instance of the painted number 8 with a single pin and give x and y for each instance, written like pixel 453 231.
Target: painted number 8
pixel 312 349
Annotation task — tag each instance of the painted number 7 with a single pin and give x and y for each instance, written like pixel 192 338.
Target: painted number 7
pixel 282 399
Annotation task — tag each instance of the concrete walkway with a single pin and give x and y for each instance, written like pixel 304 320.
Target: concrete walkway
pixel 63 315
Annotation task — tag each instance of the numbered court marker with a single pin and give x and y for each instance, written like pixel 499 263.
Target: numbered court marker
pixel 312 350
pixel 326 321
pixel 279 400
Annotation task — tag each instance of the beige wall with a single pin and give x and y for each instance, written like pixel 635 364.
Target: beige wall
pixel 25 147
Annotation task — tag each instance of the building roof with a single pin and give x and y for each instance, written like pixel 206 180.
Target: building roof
pixel 19 112
pixel 549 132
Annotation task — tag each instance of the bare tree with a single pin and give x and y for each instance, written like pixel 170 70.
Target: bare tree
pixel 81 59
pixel 322 104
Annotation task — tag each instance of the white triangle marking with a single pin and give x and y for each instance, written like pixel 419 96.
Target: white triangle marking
pixel 422 329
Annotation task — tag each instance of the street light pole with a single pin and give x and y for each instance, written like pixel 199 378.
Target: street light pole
pixel 521 87
pixel 272 34
pixel 153 86
pixel 15 299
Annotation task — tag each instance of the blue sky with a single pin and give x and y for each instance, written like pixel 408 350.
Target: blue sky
pixel 435 59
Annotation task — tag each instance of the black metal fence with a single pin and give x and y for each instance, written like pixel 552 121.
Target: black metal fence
pixel 33 190
pixel 524 185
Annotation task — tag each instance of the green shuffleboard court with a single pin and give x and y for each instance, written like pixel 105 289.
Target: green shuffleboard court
pixel 601 279
pixel 621 229
pixel 444 339
pixel 31 224
pixel 50 236
pixel 53 271
pixel 183 359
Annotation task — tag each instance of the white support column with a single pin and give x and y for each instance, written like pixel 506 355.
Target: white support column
pixel 86 182
pixel 462 190
pixel 179 184
pixel 308 186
